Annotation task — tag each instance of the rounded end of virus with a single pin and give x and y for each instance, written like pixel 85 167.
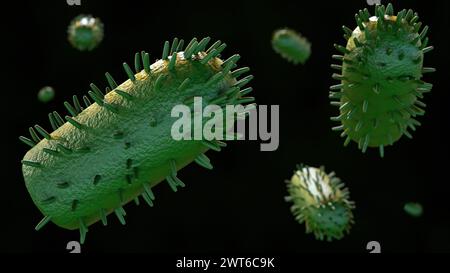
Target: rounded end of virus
pixel 330 221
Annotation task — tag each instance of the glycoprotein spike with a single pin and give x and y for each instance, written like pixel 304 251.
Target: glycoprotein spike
pixel 291 45
pixel 113 148
pixel 46 94
pixel 85 32
pixel 380 90
pixel 414 209
pixel 320 201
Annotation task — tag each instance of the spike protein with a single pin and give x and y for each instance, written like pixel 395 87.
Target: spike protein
pixel 320 201
pixel 85 32
pixel 114 150
pixel 291 46
pixel 380 82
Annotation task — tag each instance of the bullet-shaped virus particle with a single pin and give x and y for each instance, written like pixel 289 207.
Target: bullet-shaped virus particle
pixel 46 94
pixel 113 147
pixel 414 209
pixel 291 45
pixel 320 201
pixel 85 32
pixel 381 87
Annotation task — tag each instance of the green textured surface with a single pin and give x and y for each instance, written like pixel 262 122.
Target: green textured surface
pixel 380 90
pixel 125 143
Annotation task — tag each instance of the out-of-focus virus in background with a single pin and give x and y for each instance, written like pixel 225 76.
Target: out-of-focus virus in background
pixel 85 32
pixel 46 94
pixel 320 201
pixel 414 209
pixel 291 45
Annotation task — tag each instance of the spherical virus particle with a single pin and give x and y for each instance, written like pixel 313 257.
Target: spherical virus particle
pixel 291 45
pixel 414 209
pixel 380 82
pixel 85 32
pixel 46 94
pixel 114 148
pixel 321 201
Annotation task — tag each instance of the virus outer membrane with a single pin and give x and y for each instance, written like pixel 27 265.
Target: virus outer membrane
pixel 46 94
pixel 321 201
pixel 85 32
pixel 291 46
pixel 381 87
pixel 113 150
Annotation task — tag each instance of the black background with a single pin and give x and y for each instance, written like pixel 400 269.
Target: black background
pixel 238 207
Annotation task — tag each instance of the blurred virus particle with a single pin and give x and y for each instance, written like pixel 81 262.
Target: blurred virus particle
pixel 321 201
pixel 113 147
pixel 85 32
pixel 291 45
pixel 46 94
pixel 413 209
pixel 380 88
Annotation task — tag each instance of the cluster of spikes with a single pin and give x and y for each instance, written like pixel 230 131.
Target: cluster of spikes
pixel 235 95
pixel 403 17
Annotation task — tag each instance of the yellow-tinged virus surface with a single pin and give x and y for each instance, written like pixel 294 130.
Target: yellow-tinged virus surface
pixel 320 201
pixel 381 87
pixel 114 146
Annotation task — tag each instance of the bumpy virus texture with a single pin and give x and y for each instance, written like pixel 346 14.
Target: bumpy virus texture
pixel 291 46
pixel 321 201
pixel 413 209
pixel 85 32
pixel 381 87
pixel 46 94
pixel 116 149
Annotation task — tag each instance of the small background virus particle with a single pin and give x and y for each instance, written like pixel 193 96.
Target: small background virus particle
pixel 321 202
pixel 413 209
pixel 46 94
pixel 291 45
pixel 85 32
pixel 380 90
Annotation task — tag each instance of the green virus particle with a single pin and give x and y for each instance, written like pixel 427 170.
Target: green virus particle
pixel 291 46
pixel 114 148
pixel 46 94
pixel 380 81
pixel 413 209
pixel 85 32
pixel 320 201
